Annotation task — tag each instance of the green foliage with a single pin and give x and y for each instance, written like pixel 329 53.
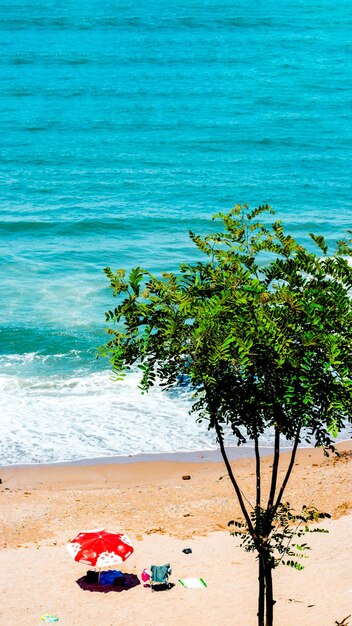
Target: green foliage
pixel 285 526
pixel 262 346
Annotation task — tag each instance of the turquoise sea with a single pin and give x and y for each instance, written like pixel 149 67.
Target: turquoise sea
pixel 123 125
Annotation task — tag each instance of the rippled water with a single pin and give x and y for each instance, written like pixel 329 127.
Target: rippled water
pixel 123 125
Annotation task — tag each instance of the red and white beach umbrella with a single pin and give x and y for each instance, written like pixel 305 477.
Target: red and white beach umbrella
pixel 100 548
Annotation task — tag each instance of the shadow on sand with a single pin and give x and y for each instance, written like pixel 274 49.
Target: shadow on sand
pixel 162 587
pixel 131 580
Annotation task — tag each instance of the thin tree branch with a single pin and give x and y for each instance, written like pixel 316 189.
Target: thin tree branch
pixel 234 482
pixel 271 497
pixel 257 472
pixel 246 499
pixel 289 470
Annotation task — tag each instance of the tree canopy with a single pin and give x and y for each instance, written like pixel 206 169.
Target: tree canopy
pixel 262 345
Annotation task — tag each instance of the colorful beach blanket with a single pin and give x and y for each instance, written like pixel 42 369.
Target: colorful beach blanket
pixel 192 583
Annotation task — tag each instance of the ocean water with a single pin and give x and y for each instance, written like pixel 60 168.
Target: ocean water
pixel 123 125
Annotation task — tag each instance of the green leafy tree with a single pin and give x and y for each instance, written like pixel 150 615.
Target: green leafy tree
pixel 262 331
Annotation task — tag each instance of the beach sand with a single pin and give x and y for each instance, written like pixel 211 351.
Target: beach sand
pixel 44 507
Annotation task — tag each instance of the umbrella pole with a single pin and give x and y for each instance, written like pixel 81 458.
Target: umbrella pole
pixel 99 576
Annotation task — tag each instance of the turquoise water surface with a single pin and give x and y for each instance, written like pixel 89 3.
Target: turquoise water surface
pixel 123 125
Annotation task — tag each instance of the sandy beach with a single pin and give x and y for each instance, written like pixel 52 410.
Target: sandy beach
pixel 45 506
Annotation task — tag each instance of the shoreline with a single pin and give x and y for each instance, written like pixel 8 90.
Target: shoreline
pixel 184 456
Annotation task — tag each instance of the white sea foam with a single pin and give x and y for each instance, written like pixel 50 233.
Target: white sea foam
pixel 53 418
pixel 65 418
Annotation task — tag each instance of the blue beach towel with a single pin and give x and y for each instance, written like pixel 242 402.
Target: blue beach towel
pixel 111 577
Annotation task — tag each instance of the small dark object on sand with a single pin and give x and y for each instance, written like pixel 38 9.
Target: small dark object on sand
pixel 186 477
pixel 187 550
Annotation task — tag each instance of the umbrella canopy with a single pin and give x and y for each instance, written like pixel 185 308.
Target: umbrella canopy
pixel 100 548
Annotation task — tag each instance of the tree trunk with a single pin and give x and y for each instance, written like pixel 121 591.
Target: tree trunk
pixel 261 595
pixel 269 600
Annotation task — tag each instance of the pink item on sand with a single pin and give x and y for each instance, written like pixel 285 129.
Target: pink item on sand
pixel 145 576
